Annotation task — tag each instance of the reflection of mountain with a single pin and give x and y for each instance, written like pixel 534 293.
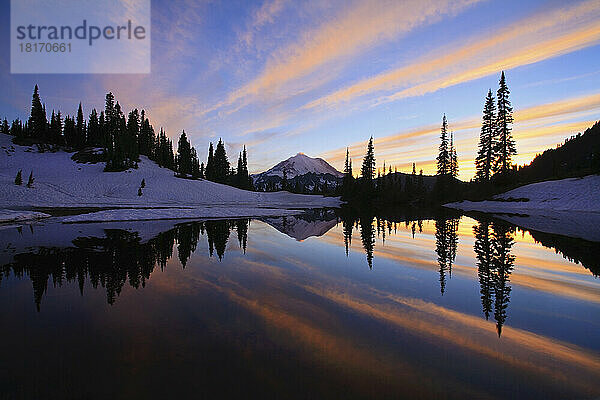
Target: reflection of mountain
pixel 117 256
pixel 301 227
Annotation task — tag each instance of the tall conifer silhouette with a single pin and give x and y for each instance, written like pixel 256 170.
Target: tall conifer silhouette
pixel 505 144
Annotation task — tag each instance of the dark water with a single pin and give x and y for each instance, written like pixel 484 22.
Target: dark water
pixel 318 306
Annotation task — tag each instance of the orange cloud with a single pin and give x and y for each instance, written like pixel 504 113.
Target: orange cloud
pixel 531 40
pixel 263 16
pixel 359 27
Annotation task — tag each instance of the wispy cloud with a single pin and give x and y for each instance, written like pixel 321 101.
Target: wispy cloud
pixel 533 39
pixel 359 26
pixel 266 14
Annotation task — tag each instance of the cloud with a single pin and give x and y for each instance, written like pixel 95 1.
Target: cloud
pixel 358 27
pixel 264 15
pixel 533 39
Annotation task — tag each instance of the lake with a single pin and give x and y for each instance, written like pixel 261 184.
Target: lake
pixel 321 305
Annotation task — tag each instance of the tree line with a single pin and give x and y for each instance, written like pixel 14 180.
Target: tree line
pixel 493 164
pixel 124 138
pixel 383 186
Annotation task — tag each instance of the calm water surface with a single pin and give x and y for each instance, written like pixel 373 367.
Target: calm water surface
pixel 313 306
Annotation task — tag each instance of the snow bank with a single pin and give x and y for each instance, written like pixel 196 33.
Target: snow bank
pixel 175 213
pixel 574 194
pixel 575 224
pixel 18 216
pixel 61 182
pixel 569 207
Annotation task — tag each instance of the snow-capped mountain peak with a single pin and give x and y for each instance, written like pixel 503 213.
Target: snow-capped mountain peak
pixel 301 164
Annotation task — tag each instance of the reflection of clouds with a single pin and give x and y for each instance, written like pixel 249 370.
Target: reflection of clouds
pixel 542 36
pixel 300 305
pixel 527 351
pixel 537 268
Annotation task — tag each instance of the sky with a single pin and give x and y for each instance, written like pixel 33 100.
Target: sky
pixel 317 76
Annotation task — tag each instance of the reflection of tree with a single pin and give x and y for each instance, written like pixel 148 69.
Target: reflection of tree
pixel 241 226
pixel 218 234
pixel 118 258
pixel 367 236
pixel 347 225
pixel 503 263
pixel 446 242
pixel 573 249
pixel 369 225
pixel 484 252
pixel 495 264
pixel 187 240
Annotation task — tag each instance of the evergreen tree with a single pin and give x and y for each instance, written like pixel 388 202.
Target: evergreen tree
pixel 38 122
pixel 130 141
pixel 81 137
pixel 18 129
pixel 245 175
pixel 70 132
pixel 202 171
pixel 239 180
pixel 195 164
pixel 30 180
pixel 221 164
pixel 170 156
pixel 103 130
pixel 121 135
pixel 348 178
pixel 505 144
pixel 163 158
pixel 93 130
pixel 143 184
pixel 110 131
pixel 487 147
pixel 109 109
pixel 368 165
pixel 443 158
pixel 5 128
pixel 210 164
pixel 453 157
pixel 184 155
pixel 146 136
pixel 55 130
pixel 19 178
